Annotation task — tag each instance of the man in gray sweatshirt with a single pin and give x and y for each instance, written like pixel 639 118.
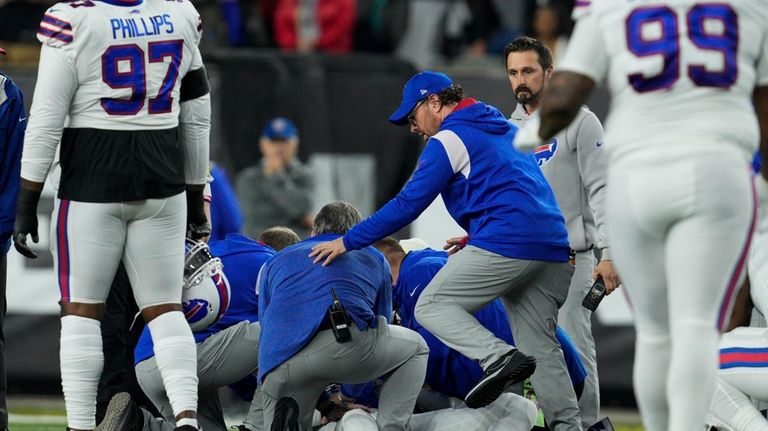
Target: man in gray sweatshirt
pixel 575 164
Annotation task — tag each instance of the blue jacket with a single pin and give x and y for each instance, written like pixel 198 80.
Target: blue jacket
pixel 294 296
pixel 448 371
pixel 242 258
pixel 13 123
pixel 497 194
pixel 226 216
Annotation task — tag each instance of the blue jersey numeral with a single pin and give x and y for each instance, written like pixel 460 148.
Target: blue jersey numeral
pixel 158 51
pixel 122 66
pixel 727 43
pixel 667 44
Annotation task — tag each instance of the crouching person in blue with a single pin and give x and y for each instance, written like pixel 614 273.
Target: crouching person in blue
pixel 227 350
pixel 299 355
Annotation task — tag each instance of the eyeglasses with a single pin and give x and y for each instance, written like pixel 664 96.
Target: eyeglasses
pixel 412 116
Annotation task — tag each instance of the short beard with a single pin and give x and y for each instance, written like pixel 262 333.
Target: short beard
pixel 526 99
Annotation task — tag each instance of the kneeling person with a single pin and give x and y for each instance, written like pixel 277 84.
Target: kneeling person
pixel 227 351
pixel 294 298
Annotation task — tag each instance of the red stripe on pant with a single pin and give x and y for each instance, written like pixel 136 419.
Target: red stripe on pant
pixel 733 288
pixel 62 248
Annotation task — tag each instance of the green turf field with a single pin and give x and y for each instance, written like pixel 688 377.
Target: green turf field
pixel 29 414
pixel 35 427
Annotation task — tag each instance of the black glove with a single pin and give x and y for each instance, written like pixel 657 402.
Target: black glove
pixel 26 221
pixel 197 223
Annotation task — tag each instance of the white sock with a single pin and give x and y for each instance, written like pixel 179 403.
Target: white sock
pixel 82 360
pixel 652 355
pixel 733 410
pixel 692 372
pixel 187 421
pixel 176 356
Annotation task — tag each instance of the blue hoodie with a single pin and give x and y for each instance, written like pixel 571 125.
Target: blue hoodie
pixel 294 296
pixel 12 125
pixel 497 194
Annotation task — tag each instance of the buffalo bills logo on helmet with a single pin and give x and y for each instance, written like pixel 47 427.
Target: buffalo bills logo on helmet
pixel 205 294
pixel 223 289
pixel 195 309
pixel 544 153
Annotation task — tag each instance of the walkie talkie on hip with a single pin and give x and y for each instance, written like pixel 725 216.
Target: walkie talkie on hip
pixel 339 319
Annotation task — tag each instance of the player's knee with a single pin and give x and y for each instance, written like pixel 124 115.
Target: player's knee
pixel 151 312
pixel 82 309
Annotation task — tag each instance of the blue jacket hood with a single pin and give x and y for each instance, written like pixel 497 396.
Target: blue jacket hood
pixel 480 116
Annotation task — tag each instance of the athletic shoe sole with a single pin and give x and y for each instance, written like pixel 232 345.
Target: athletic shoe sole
pixel 118 412
pixel 518 368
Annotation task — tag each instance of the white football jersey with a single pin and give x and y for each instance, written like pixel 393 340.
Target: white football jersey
pixel 129 57
pixel 681 72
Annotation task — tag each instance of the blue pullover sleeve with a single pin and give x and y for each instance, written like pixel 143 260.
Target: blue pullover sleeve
pixel 432 173
pixel 226 216
pixel 383 305
pixel 262 291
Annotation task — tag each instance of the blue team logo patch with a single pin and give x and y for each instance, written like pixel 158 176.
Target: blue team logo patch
pixel 195 309
pixel 544 153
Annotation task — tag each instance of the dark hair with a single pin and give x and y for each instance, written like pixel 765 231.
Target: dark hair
pixel 451 95
pixel 336 217
pixel 279 237
pixel 525 43
pixel 388 246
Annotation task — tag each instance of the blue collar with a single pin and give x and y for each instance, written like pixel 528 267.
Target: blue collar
pixel 127 3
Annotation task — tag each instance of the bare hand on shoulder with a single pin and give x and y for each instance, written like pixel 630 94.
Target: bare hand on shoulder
pixel 328 251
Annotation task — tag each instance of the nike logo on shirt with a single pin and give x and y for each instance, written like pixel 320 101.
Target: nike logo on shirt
pixel 414 290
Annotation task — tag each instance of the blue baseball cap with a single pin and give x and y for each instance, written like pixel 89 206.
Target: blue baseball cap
pixel 419 87
pixel 280 128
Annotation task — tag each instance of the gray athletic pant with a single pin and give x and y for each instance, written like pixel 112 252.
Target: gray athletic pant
pixel 222 359
pixel 385 350
pixel 576 322
pixel 532 293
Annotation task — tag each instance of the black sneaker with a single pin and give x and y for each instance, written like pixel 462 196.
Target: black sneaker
pixel 122 414
pixel 511 368
pixel 603 425
pixel 286 415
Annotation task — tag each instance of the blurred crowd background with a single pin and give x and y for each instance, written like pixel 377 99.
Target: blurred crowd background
pixel 428 33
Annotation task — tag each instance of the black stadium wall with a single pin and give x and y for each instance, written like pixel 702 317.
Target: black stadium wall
pixel 340 105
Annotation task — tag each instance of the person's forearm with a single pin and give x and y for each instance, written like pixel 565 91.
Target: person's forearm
pixel 567 92
pixel 761 108
pixel 195 124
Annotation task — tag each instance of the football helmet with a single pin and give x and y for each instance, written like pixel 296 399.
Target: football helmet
pixel 205 293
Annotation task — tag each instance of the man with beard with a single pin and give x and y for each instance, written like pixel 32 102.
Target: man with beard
pixel 575 164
